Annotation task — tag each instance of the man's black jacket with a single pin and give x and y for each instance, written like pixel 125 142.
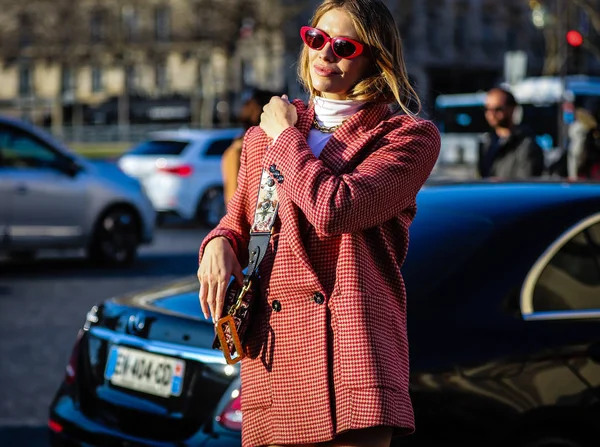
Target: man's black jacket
pixel 517 157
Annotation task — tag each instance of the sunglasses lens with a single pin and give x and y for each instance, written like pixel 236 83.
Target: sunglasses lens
pixel 344 48
pixel 314 39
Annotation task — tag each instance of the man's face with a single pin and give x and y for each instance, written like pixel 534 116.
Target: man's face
pixel 497 113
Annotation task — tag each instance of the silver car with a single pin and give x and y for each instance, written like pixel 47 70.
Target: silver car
pixel 181 171
pixel 51 198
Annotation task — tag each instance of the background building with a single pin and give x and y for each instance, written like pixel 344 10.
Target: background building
pixel 125 60
pixel 134 61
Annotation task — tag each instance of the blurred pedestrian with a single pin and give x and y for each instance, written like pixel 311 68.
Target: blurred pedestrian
pixel 579 139
pixel 589 167
pixel 509 151
pixel 327 353
pixel 249 116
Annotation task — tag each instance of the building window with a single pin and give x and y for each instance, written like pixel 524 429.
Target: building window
pixel 97 26
pixel 433 26
pixel 130 78
pixel 25 30
pixel 404 17
pixel 515 22
pixel 162 25
pixel 570 281
pixel 97 79
pixel 161 77
pixel 130 23
pixel 67 80
pixel 25 80
pixel 460 25
pixel 207 21
pixel 487 25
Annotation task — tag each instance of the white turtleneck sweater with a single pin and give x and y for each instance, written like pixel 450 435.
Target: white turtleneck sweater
pixel 330 112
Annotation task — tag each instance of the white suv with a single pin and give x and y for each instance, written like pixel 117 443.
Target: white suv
pixel 181 171
pixel 51 198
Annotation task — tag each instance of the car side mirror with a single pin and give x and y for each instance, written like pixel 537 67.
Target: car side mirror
pixel 68 166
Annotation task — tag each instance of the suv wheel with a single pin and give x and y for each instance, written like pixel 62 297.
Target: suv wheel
pixel 116 238
pixel 211 207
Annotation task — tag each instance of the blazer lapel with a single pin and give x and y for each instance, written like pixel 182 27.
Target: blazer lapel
pixel 347 141
pixel 343 146
pixel 289 213
pixel 306 116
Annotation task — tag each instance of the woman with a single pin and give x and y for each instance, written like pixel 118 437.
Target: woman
pixel 328 361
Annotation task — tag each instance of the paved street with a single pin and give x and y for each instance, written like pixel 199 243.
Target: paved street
pixel 42 306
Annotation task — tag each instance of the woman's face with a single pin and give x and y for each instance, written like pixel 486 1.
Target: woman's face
pixel 331 75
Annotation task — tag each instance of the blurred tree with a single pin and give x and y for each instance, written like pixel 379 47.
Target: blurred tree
pixel 575 15
pixel 92 38
pixel 591 9
pixel 49 31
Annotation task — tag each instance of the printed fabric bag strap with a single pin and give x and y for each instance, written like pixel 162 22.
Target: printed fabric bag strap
pixel 231 327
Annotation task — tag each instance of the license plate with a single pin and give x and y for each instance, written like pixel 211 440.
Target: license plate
pixel 141 371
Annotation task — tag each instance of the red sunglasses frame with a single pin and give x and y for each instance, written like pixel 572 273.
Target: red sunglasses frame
pixel 359 46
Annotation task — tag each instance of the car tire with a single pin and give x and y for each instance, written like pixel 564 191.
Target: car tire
pixel 116 238
pixel 211 207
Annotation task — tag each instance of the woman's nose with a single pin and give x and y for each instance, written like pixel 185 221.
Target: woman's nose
pixel 326 53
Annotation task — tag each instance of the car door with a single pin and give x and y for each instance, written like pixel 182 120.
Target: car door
pixel 47 199
pixel 562 297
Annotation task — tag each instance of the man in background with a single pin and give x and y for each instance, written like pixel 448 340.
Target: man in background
pixel 509 151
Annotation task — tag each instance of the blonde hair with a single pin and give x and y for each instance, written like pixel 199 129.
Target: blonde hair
pixel 387 82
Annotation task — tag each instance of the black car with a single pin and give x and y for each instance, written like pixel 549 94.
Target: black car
pixel 503 284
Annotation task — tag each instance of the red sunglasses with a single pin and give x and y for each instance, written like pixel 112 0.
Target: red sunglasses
pixel 342 47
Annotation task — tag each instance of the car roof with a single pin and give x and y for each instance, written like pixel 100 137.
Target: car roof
pixel 505 201
pixel 196 134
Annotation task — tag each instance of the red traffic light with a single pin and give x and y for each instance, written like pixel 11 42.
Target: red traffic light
pixel 574 38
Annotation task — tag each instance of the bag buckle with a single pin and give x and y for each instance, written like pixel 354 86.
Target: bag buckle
pixel 227 322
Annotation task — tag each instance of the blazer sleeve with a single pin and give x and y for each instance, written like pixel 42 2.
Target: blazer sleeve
pixel 380 188
pixel 235 226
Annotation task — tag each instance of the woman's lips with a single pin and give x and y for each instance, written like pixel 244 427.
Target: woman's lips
pixel 323 71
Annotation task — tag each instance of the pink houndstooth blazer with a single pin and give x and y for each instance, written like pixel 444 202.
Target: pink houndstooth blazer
pixel 328 346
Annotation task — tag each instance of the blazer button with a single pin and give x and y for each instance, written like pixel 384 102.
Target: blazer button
pixel 318 298
pixel 272 168
pixel 276 305
pixel 280 179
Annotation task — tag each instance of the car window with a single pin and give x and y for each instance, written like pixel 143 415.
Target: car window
pixel 159 147
pixel 217 147
pixel 570 280
pixel 19 149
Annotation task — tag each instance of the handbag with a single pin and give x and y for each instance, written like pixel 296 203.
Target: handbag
pixel 232 328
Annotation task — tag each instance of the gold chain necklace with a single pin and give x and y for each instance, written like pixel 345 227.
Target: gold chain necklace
pixel 325 129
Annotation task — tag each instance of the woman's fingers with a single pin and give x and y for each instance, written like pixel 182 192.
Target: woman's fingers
pixel 217 266
pixel 221 288
pixel 212 291
pixel 202 296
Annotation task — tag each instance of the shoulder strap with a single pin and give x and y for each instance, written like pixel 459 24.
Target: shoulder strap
pixel 267 205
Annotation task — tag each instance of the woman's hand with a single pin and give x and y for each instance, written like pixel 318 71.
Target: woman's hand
pixel 218 264
pixel 278 115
